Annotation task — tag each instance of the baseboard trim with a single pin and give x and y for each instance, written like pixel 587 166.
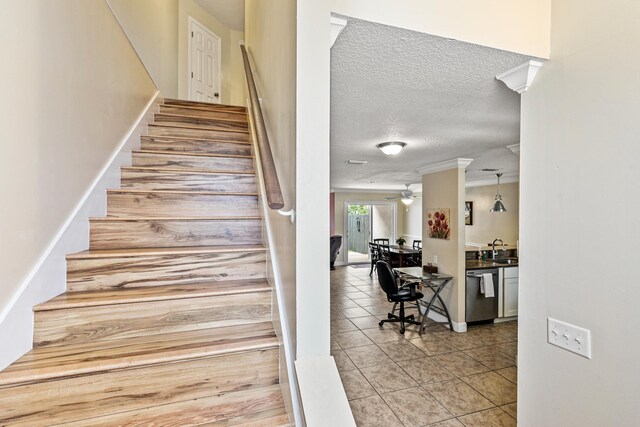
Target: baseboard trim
pixel 457 327
pixel 47 278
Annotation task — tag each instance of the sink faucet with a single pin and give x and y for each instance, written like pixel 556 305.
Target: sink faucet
pixel 494 252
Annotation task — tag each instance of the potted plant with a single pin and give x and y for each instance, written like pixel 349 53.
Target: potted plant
pixel 400 241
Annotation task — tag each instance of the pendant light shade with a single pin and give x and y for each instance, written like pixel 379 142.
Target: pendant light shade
pixel 497 205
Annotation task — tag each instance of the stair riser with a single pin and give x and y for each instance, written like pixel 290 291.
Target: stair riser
pixel 198 112
pixel 177 161
pixel 205 106
pixel 123 204
pixel 195 146
pixel 200 121
pixel 85 397
pixel 125 234
pixel 88 324
pixel 218 135
pixel 157 270
pixel 151 180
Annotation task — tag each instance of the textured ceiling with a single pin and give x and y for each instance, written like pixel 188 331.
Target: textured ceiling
pixel 440 96
pixel 229 12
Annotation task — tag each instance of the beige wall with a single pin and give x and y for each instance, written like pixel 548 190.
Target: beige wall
pixel 446 190
pixel 356 197
pixel 579 225
pixel 232 79
pixel 75 87
pixel 152 28
pixel 489 225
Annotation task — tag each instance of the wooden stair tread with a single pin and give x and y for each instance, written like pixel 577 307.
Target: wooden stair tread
pixel 191 138
pixel 46 363
pixel 208 105
pixel 185 192
pixel 197 127
pixel 187 153
pixel 180 218
pixel 185 171
pixel 154 293
pixel 255 407
pixel 116 253
pixel 240 120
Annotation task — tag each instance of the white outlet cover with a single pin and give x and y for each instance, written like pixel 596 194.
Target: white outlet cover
pixel 569 337
pixel 435 259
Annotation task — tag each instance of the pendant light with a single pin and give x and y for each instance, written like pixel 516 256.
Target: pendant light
pixel 498 206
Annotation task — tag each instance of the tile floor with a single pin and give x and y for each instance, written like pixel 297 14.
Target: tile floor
pixel 443 378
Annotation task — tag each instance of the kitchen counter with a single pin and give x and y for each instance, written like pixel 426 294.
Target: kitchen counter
pixel 477 264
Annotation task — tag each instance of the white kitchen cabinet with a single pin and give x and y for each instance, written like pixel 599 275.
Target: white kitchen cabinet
pixel 510 292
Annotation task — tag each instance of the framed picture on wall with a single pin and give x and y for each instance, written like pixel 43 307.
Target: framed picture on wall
pixel 468 213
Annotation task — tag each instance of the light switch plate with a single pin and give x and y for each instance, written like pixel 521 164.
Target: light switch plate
pixel 570 337
pixel 435 259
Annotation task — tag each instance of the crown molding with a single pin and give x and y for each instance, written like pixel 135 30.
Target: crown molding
pixel 443 166
pixel 337 25
pixel 521 77
pixel 515 149
pixel 493 181
pixel 367 190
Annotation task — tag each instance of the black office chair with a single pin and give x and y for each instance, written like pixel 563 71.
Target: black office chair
pixel 374 252
pixel 407 293
pixel 334 242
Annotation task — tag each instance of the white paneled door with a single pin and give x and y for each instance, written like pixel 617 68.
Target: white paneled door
pixel 204 64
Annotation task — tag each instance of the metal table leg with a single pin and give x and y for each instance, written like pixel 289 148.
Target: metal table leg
pixel 436 295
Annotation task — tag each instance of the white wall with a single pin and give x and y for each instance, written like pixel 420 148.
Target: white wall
pixel 579 223
pixel 232 80
pixel 152 28
pixel 75 89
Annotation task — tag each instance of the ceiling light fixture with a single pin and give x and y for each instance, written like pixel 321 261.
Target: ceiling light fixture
pixel 392 147
pixel 498 206
pixel 407 200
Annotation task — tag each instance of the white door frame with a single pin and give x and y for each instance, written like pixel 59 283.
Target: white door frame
pixel 192 22
pixel 394 219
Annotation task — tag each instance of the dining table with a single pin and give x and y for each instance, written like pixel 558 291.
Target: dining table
pixel 403 252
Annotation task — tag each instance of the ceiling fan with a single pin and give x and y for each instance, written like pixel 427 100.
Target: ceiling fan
pixel 406 197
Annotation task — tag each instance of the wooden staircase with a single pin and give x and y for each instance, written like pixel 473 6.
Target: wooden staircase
pixel 167 317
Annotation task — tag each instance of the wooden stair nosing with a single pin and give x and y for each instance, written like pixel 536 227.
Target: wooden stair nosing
pixel 188 110
pixel 194 139
pixel 160 169
pixel 188 153
pixel 198 128
pixel 47 363
pixel 158 293
pixel 124 253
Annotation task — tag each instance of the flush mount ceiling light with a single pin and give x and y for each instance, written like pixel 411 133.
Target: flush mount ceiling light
pixel 407 200
pixel 497 205
pixel 392 147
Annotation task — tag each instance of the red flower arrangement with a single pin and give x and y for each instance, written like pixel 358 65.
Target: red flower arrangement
pixel 438 224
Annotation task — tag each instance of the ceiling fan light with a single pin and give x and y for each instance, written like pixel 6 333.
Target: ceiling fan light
pixel 392 147
pixel 407 200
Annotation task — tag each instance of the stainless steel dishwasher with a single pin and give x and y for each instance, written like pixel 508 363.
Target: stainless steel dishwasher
pixel 479 307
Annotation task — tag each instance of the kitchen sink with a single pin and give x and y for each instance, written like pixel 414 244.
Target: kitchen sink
pixel 505 261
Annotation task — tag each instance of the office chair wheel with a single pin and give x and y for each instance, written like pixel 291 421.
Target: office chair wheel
pixel 380 324
pixel 402 331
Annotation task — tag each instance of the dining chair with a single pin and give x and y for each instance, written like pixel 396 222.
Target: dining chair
pixel 374 251
pixel 417 244
pixel 388 281
pixel 381 241
pixel 416 259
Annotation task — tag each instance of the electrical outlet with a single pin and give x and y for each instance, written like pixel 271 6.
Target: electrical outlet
pixel 570 337
pixel 435 259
